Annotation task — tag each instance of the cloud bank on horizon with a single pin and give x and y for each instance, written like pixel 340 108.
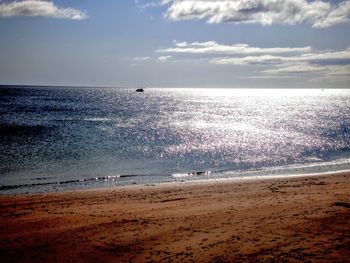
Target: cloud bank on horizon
pixel 319 14
pixel 328 65
pixel 39 8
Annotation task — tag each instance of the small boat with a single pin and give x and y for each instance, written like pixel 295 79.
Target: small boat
pixel 140 90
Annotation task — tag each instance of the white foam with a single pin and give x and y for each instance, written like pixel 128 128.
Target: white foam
pixel 191 174
pixel 97 119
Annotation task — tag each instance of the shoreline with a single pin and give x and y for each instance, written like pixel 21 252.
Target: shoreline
pixel 284 219
pixel 180 181
pixel 210 181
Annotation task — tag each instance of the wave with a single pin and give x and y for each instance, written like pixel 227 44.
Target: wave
pixel 115 180
pixel 105 178
pixel 283 170
pixel 98 119
pixel 191 174
pixel 279 171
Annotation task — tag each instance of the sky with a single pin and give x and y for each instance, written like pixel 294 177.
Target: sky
pixel 176 43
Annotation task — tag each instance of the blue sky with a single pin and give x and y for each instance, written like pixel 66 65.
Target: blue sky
pixel 176 43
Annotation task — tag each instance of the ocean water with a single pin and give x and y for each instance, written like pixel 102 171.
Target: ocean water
pixel 60 138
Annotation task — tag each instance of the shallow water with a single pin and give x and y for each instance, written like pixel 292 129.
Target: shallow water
pixel 67 138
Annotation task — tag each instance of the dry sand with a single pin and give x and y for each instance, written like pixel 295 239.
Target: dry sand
pixel 295 219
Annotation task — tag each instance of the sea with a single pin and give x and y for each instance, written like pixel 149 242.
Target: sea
pixel 67 138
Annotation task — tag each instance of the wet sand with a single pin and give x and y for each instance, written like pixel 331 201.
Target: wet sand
pixel 295 219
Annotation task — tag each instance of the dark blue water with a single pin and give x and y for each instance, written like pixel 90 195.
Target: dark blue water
pixel 67 138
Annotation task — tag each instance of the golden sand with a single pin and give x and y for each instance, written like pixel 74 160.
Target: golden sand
pixel 295 219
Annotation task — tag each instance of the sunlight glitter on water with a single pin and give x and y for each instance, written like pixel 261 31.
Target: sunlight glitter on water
pixel 88 133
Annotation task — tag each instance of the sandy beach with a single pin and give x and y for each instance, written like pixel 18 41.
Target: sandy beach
pixel 294 219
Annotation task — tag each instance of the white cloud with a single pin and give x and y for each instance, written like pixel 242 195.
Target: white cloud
pixel 300 68
pixel 339 15
pixel 212 47
pixel 250 60
pixel 141 4
pixel 270 77
pixel 335 74
pixel 164 58
pixel 266 12
pixel 141 58
pixel 314 73
pixel 319 72
pixel 273 62
pixel 39 8
pixel 328 57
